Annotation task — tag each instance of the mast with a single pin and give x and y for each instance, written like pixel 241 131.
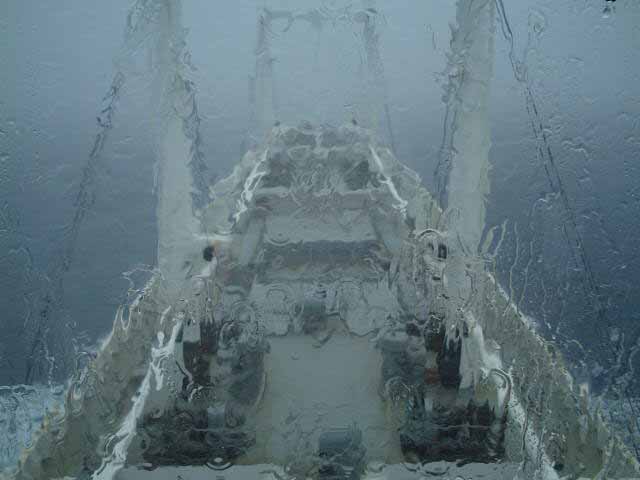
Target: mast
pixel 181 188
pixel 371 38
pixel 262 90
pixel 464 162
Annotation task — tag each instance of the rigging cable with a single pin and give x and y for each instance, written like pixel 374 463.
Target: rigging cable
pixel 140 17
pixel 570 226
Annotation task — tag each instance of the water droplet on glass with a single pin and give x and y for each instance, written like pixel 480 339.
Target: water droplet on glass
pixel 218 463
pixel 375 466
pixel 537 22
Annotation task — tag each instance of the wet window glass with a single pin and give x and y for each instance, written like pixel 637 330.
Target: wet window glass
pixel 319 239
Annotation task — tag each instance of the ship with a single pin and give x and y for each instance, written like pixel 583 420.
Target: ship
pixel 320 314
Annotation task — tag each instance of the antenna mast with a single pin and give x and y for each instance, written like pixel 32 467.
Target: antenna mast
pixel 262 88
